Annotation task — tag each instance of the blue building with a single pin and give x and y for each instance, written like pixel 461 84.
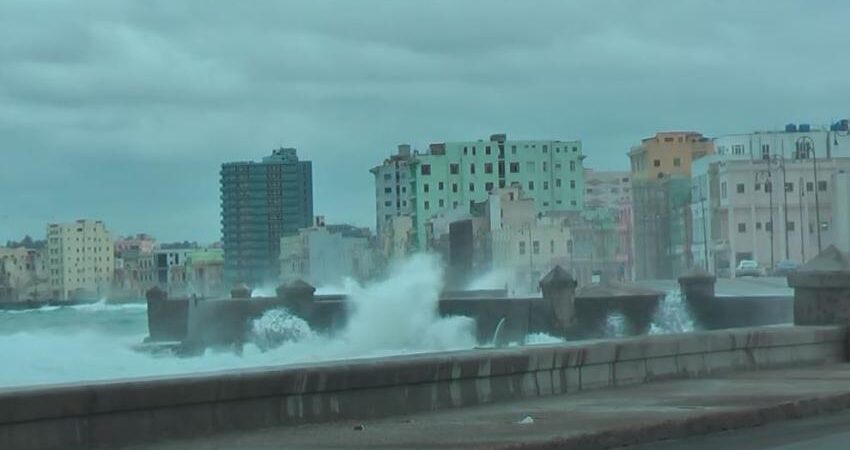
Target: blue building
pixel 260 203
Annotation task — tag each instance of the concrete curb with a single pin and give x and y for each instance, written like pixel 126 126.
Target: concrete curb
pixel 694 426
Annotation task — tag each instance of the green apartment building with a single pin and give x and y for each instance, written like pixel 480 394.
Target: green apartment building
pixel 454 175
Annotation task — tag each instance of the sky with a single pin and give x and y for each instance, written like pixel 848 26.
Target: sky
pixel 123 111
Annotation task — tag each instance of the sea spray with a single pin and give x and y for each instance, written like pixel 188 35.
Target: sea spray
pixel 402 312
pixel 672 315
pixel 95 342
pixel 277 327
pixel 615 325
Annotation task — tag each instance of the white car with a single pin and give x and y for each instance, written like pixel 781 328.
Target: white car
pixel 748 268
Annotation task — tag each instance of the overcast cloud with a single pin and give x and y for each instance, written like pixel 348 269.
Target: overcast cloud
pixel 123 111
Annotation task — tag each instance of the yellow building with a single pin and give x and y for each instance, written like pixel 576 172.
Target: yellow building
pixel 668 153
pixel 80 260
pixel 660 172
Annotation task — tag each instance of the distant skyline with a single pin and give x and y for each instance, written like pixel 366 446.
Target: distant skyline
pixel 124 111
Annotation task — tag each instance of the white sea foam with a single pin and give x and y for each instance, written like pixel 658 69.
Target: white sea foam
pixel 672 315
pixel 396 316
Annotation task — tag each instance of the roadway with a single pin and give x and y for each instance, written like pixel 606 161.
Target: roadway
pixel 746 286
pixel 830 432
pixel 597 419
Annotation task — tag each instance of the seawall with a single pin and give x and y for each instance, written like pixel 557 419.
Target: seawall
pixel 130 411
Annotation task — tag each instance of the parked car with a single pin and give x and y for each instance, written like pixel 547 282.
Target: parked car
pixel 748 268
pixel 785 267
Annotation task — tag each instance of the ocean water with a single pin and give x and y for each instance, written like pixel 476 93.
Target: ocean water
pixel 96 342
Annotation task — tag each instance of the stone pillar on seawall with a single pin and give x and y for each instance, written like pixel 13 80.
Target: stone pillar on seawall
pixel 559 294
pixel 822 289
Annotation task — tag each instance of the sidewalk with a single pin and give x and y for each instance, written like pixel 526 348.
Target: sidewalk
pixel 591 420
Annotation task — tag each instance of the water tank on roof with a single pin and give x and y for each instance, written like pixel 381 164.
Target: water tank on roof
pixel 805 128
pixel 790 128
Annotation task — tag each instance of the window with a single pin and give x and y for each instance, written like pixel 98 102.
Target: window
pixel 758 187
pixel 535 246
pixel 529 166
pixel 738 149
pixel 789 187
pixel 454 188
pixel 388 190
pixel 552 247
pixel 740 188
pixel 572 166
pixel 821 186
pixel 810 187
pixel 487 150
pixel 514 167
pixel 557 182
pixel 723 190
pixel 569 246
pixel 765 151
pixel 545 149
pixel 572 184
pixel 465 151
pixel 768 187
pixel 488 167
pixel 440 185
pixel 656 162
pixel 488 186
pixel 758 225
pixel 388 203
pixel 768 226
pixel 677 162
pixel 426 188
pixel 530 185
pixel 472 168
pixel 790 226
pixel 742 227
pixel 442 203
pixel 387 177
pixel 545 185
pixel 522 247
pixel 473 151
pixel 573 203
pixel 454 205
pixel 575 149
pixel 454 168
pixel 513 149
pixel 471 187
pixel 425 169
pixel 545 166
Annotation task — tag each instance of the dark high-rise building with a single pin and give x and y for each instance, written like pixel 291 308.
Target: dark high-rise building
pixel 260 202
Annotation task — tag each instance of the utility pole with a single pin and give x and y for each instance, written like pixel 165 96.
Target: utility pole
pixel 704 230
pixel 781 163
pixel 802 235
pixel 805 145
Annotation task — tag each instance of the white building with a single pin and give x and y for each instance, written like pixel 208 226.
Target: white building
pixel 327 255
pixel 737 200
pixel 392 190
pixel 79 260
pixel 523 244
pixel 841 209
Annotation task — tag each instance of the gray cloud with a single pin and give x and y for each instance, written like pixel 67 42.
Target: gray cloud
pixel 124 110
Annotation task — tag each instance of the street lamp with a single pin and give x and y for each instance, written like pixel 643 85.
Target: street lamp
pixel 768 186
pixel 806 146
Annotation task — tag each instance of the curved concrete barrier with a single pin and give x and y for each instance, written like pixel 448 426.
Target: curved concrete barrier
pixel 128 411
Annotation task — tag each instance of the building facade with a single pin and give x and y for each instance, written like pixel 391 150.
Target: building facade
pixel 747 201
pixel 260 203
pixel 393 197
pixel 80 260
pixel 23 274
pixel 204 268
pixel 455 175
pixel 328 254
pixel 608 203
pixel 660 176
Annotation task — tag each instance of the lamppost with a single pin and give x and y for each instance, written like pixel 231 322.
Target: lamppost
pixel 802 235
pixel 704 231
pixel 768 187
pixel 806 146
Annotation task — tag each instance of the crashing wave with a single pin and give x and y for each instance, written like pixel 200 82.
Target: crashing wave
pixel 277 327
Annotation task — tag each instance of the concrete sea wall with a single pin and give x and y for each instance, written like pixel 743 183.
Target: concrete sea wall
pixel 129 411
